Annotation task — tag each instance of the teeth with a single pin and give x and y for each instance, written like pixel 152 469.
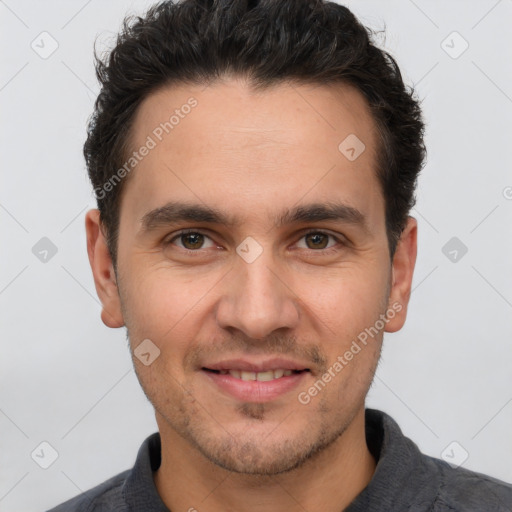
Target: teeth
pixel 265 376
pixel 260 376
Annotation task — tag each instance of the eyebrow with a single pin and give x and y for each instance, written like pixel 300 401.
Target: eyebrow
pixel 175 212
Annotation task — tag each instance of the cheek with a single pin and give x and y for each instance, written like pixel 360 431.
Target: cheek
pixel 160 296
pixel 347 300
pixel 165 308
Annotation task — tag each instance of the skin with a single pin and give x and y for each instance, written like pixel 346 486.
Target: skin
pixel 252 155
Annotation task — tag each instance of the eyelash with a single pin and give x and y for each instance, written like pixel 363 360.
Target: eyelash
pixel 309 232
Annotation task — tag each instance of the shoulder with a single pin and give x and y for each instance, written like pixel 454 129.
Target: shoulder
pixel 129 490
pixel 103 497
pixel 464 490
pixel 412 480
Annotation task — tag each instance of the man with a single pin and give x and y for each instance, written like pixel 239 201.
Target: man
pixel 254 166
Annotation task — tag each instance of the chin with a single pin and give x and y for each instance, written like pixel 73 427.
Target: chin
pixel 256 452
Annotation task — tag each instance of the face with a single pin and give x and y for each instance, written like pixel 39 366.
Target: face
pixel 252 247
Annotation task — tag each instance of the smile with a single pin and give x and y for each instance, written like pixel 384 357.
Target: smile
pixel 264 376
pixel 255 386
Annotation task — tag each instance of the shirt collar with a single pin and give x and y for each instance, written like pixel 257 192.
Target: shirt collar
pixel 139 489
pixel 403 474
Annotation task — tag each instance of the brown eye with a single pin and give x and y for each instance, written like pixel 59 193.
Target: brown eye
pixel 192 240
pixel 321 243
pixel 318 240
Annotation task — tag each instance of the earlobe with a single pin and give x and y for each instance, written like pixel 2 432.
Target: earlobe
pixel 103 271
pixel 404 261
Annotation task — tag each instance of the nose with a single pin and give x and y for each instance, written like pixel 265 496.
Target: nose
pixel 257 300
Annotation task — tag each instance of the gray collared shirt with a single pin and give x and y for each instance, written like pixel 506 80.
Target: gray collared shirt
pixel 404 480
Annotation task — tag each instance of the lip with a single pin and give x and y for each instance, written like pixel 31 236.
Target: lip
pixel 253 390
pixel 276 363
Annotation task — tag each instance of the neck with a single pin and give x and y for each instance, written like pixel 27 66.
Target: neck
pixel 329 482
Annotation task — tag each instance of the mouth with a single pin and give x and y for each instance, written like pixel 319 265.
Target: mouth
pixel 258 382
pixel 262 376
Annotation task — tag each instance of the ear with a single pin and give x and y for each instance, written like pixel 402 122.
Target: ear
pixel 402 272
pixel 103 271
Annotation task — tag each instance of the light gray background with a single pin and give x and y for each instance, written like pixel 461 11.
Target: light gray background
pixel 68 380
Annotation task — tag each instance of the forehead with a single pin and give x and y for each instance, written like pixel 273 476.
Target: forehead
pixel 282 112
pixel 229 145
